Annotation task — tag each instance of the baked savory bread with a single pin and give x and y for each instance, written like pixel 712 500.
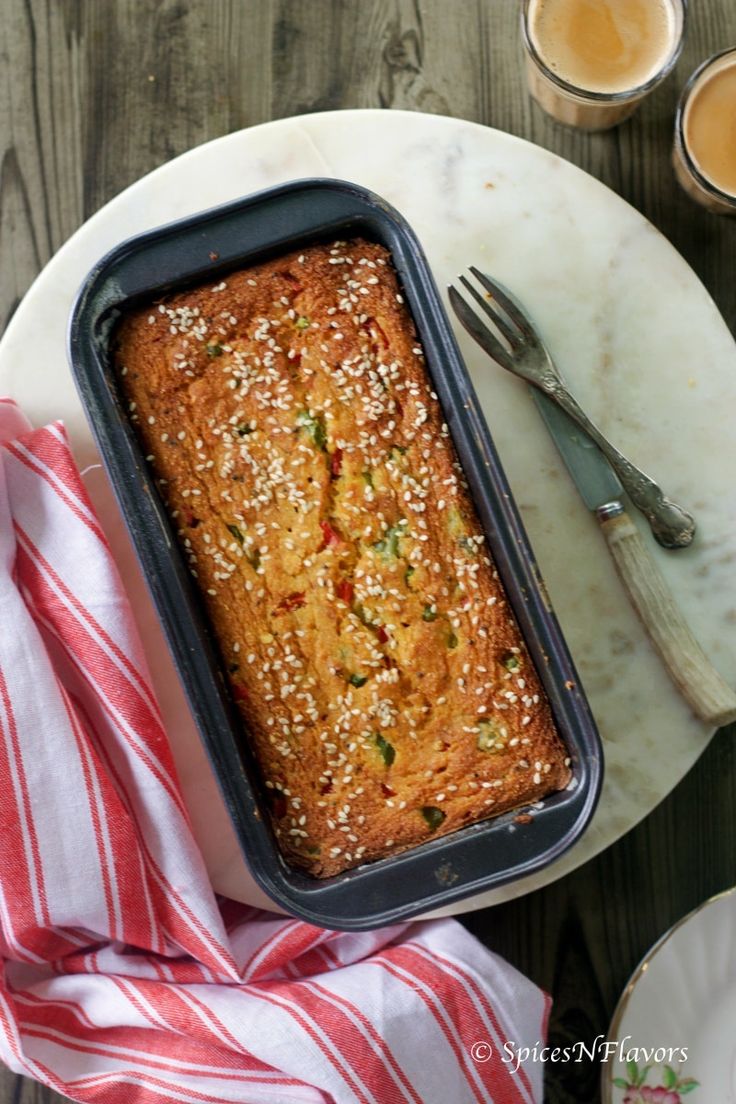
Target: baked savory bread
pixel 380 673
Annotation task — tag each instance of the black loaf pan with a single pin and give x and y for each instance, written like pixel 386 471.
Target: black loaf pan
pixel 203 248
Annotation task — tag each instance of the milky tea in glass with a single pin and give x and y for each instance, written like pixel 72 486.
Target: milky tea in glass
pixel 591 62
pixel 705 134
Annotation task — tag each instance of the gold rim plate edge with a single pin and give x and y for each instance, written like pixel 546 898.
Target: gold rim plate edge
pixel 623 1002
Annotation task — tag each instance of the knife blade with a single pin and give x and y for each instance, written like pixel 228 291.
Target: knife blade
pixel 592 474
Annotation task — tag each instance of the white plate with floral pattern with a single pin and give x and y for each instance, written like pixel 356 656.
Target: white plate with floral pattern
pixel 675 1025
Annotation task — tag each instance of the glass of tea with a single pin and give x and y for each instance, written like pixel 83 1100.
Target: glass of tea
pixel 704 153
pixel 590 63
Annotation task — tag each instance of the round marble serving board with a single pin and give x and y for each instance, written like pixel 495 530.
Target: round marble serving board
pixel 630 324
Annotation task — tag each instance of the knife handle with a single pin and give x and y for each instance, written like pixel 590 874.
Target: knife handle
pixel 708 695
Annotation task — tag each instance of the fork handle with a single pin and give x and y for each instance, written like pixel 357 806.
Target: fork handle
pixel 671 526
pixel 700 684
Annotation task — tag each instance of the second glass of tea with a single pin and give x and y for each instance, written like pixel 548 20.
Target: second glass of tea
pixel 704 153
pixel 590 63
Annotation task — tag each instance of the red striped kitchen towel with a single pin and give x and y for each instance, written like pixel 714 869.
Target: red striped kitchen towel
pixel 123 978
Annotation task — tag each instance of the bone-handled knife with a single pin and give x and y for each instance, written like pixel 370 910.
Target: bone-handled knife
pixel 710 697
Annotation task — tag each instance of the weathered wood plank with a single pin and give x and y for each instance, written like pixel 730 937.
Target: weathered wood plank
pixel 160 78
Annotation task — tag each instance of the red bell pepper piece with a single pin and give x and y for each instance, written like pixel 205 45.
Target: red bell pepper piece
pixel 345 591
pixel 331 536
pixel 291 602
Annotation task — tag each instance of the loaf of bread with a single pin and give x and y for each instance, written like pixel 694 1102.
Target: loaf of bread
pixel 381 676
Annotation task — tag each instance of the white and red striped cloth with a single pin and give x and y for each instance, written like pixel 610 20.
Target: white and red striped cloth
pixel 123 978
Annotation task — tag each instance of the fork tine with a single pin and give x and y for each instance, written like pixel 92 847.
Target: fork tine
pixel 506 303
pixel 508 331
pixel 478 329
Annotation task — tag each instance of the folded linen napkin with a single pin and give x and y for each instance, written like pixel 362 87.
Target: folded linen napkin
pixel 123 978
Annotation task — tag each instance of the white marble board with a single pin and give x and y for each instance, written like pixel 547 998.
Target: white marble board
pixel 634 330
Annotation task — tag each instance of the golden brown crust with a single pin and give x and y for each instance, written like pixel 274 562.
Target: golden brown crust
pixel 381 675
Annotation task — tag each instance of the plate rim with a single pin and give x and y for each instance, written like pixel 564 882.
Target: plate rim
pixel 636 976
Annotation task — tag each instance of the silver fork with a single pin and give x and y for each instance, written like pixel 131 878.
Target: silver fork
pixel 527 356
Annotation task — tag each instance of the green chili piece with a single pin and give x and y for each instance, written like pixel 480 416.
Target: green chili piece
pixel 433 816
pixel 387 750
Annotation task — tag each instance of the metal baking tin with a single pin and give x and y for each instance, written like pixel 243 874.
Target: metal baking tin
pixel 203 248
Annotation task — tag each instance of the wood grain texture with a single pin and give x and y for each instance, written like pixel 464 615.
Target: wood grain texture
pixel 94 93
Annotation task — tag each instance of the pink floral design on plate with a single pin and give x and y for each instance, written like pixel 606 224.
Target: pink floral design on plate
pixel 672 1089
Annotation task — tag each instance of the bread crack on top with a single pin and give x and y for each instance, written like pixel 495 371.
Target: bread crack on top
pixel 295 439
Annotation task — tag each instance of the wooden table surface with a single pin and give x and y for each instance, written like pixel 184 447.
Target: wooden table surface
pixel 94 94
